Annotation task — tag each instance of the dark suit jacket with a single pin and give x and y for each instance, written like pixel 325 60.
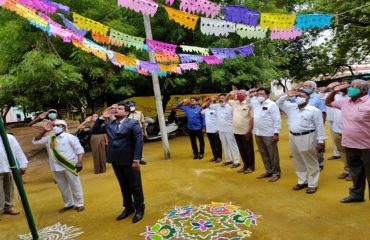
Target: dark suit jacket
pixel 125 144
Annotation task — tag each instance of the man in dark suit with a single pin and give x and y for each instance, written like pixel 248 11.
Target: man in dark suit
pixel 124 152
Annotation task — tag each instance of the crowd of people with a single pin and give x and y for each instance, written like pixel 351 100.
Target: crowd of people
pixel 230 120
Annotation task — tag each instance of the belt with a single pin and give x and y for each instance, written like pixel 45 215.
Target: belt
pixel 302 133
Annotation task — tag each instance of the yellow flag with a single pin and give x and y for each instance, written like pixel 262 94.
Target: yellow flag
pixel 125 60
pixel 168 68
pixel 90 25
pixel 183 18
pixel 279 21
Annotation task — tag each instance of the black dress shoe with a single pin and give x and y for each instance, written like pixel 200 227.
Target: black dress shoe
pixel 300 186
pixel 351 200
pixel 125 214
pixel 195 156
pixel 334 157
pixel 218 160
pixel 138 216
pixel 200 156
pixel 311 190
pixel 142 162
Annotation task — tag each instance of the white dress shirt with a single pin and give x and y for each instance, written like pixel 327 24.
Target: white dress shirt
pixel 18 154
pixel 337 121
pixel 267 120
pixel 329 110
pixel 210 117
pixel 303 120
pixel 224 116
pixel 67 144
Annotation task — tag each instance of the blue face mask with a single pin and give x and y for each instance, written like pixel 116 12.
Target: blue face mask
pixel 353 92
pixel 308 90
pixel 292 99
pixel 52 116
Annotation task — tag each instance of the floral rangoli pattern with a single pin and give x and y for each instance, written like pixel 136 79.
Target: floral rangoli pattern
pixel 215 221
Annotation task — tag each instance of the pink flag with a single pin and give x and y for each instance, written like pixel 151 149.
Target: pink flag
pixel 158 46
pixel 212 60
pixel 285 34
pixel 141 6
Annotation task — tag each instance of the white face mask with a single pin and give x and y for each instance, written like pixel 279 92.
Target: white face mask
pixel 261 99
pixel 300 100
pixel 132 109
pixel 57 130
pixel 52 115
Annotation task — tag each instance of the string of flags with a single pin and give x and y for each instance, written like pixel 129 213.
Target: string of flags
pixel 235 17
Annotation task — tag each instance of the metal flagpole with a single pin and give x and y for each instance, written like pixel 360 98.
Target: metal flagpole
pixel 18 181
pixel 157 93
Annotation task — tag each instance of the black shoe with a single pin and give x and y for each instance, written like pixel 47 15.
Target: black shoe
pixel 142 162
pixel 321 168
pixel 351 200
pixel 125 214
pixel 218 160
pixel 300 186
pixel 195 156
pixel 200 156
pixel 334 157
pixel 138 216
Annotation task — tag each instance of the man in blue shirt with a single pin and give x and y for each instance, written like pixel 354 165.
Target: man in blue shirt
pixel 194 125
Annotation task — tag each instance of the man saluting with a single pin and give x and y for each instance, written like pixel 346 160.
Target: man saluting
pixel 124 152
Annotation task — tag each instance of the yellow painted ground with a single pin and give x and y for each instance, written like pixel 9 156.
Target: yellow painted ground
pixel 287 214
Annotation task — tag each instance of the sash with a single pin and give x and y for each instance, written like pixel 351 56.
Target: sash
pixel 67 164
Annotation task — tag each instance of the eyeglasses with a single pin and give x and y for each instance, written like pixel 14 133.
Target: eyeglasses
pixel 58 125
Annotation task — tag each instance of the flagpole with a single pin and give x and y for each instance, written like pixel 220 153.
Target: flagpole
pixel 157 92
pixel 18 181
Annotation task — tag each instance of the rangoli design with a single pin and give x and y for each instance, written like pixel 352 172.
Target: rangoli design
pixel 56 232
pixel 215 221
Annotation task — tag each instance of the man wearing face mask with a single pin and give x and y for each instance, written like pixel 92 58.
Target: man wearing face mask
pixel 125 150
pixel 356 135
pixel 139 116
pixel 242 128
pixel 65 160
pixel 307 137
pixel 44 118
pixel 267 125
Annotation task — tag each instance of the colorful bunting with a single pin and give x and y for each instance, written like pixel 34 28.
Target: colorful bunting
pixel 184 19
pixel 168 68
pixel 38 5
pixel 200 50
pixel 72 27
pixel 100 38
pixel 279 21
pixel 118 39
pixel 158 46
pixel 149 66
pixel 284 34
pixel 216 27
pixel 250 32
pixel 224 52
pixel 88 24
pixel 141 6
pixel 57 6
pixel 206 7
pixel 65 34
pixel 187 58
pixel 305 21
pixel 125 60
pixel 212 60
pixel 245 50
pixel 189 66
pixel 166 58
pixel 239 14
pixel 30 15
pixel 169 2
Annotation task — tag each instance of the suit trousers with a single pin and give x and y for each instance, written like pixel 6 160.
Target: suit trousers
pixel 229 146
pixel 246 150
pixel 305 158
pixel 215 142
pixel 6 191
pixel 334 143
pixel 359 165
pixel 341 150
pixel 269 154
pixel 70 187
pixel 193 135
pixel 131 187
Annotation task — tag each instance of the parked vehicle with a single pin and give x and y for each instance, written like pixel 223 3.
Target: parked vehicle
pixel 152 132
pixel 84 136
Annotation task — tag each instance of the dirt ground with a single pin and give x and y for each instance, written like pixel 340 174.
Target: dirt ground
pixel 286 214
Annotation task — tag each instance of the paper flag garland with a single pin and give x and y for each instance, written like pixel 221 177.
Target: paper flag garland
pixel 200 50
pixel 245 50
pixel 184 19
pixel 95 49
pixel 125 60
pixel 168 68
pixel 239 14
pixel 187 58
pixel 149 66
pixel 72 27
pixel 245 31
pixel 118 39
pixel 216 27
pixel 67 36
pixel 189 66
pixel 166 58
pixel 31 16
pixel 57 6
pixel 279 21
pixel 141 6
pixel 212 60
pixel 100 38
pixel 284 34
pixel 224 52
pixel 169 2
pixel 158 46
pixel 2 2
pixel 88 24
pixel 38 5
pixel 142 71
pixel 206 7
pixel 305 21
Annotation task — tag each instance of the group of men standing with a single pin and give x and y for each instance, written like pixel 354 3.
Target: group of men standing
pixel 229 125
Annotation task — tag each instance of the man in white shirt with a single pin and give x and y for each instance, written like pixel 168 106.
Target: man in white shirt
pixel 210 117
pixel 65 159
pixel 6 180
pixel 267 125
pixel 307 137
pixel 225 128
